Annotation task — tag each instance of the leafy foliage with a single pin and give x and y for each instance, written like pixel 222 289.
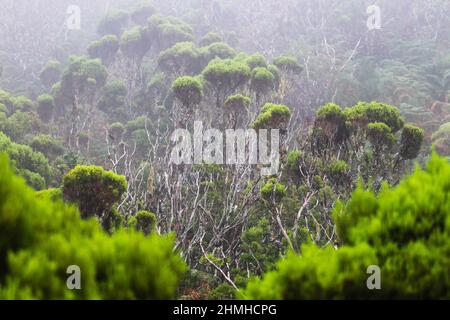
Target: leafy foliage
pixel 40 239
pixel 405 230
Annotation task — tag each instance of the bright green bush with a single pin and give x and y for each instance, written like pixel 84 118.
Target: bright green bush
pixel 404 230
pixel 262 80
pixel 273 116
pixel 144 221
pixel 237 103
pixel 93 189
pixel 188 90
pixel 226 74
pixel 39 239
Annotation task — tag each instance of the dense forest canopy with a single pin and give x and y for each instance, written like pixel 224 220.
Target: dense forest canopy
pixel 118 126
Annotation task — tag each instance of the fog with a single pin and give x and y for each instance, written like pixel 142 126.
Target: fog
pixel 246 130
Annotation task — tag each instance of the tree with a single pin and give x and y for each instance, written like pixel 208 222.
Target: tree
pixel 34 231
pixel 237 106
pixel 144 221
pixel 262 81
pixel 48 146
pixel 181 59
pixel 167 31
pixel 45 107
pixel 113 23
pixel 135 43
pixel 225 76
pixel 51 73
pixel 219 50
pixel 93 190
pixel 401 230
pixel 105 49
pixel 188 90
pixel 273 116
pixel 411 141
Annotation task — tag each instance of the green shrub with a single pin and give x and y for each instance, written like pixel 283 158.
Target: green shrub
pixel 188 90
pixel 40 239
pixel 288 64
pixel 93 189
pixel 273 116
pixel 404 230
pixel 144 221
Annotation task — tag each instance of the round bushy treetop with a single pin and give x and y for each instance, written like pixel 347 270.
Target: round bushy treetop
pixel 226 74
pixel 411 141
pixel 45 107
pixel 273 116
pixel 105 49
pixel 93 189
pixel 380 135
pixel 404 230
pixel 183 57
pixel 113 23
pixel 364 113
pixel 218 50
pixel 135 43
pixel 22 103
pixel 169 30
pixel 288 64
pixel 142 12
pixel 82 75
pixel 262 80
pixel 256 61
pixel 188 90
pixel 51 73
pixel 48 146
pixel 330 123
pixel 116 130
pixel 144 221
pixel 210 38
pixel 237 103
pixel 40 238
